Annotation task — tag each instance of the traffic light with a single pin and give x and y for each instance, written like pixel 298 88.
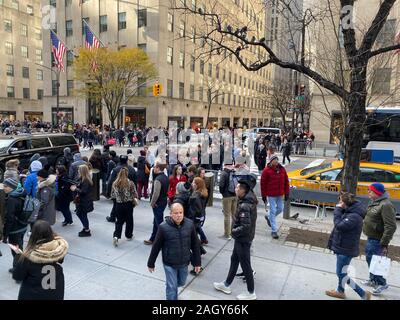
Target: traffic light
pixel 157 89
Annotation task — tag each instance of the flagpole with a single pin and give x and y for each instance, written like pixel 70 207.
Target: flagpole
pixel 94 33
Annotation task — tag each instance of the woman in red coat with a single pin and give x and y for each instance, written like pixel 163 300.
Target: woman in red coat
pixel 174 179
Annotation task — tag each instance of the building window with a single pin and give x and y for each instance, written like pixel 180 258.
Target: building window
pixel 10 70
pixel 121 20
pixel 170 54
pixel 24 51
pixel 193 33
pixel 53 88
pixel 192 92
pixel 38 34
pixel 230 77
pixel 25 72
pixel 181 59
pixel 103 23
pixel 24 30
pixel 170 24
pixel 83 24
pixel 15 4
pixel 194 5
pixel 39 74
pixel 40 94
pixel 201 94
pixel 29 9
pixel 235 79
pixel 53 3
pixel 70 58
pixel 170 88
pixel 223 75
pixel 142 18
pixel 182 29
pixel 229 98
pixel 381 81
pixel 201 66
pixel 192 63
pixel 217 72
pixel 7 25
pixel 223 99
pixel 181 90
pixel 38 53
pixel 142 46
pixel 10 92
pixel 9 48
pixel 141 90
pixel 26 93
pixel 387 34
pixel 210 70
pixel 68 28
pixel 70 87
pixel 68 3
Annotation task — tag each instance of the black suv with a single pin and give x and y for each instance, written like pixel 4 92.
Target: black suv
pixel 24 146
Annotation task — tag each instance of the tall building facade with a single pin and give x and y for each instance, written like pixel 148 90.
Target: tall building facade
pixel 157 27
pixel 21 56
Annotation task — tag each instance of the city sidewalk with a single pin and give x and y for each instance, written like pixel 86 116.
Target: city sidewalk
pixel 95 270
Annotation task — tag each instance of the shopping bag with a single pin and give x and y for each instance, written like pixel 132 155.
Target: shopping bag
pixel 111 141
pixel 379 266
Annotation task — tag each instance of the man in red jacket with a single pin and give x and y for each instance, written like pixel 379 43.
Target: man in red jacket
pixel 275 186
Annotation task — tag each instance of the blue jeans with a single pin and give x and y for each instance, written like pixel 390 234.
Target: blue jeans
pixel 158 219
pixel 373 247
pixel 175 277
pixel 342 264
pixel 275 208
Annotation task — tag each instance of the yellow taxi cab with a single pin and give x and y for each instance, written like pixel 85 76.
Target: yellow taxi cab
pixel 328 174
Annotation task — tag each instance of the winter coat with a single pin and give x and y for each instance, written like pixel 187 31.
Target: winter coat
pixel 46 195
pixel 40 263
pixel 11 173
pixel 115 172
pixel 14 203
pixel 30 184
pixel 96 162
pixel 176 243
pixel 345 236
pixel 183 199
pixel 141 173
pixel 380 221
pixel 197 207
pixel 85 192
pixel 68 158
pixel 173 181
pixel 73 170
pixel 274 182
pixel 244 226
pixel 286 149
pixel 224 183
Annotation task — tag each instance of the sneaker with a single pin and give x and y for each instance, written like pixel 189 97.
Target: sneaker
pixel 84 233
pixel 148 242
pixel 247 296
pixel 224 237
pixel 367 295
pixel 335 294
pixel 379 289
pixel 65 223
pixel 254 276
pixel 131 238
pixel 194 272
pixel 274 235
pixel 109 219
pixel 369 283
pixel 220 286
pixel 115 242
pixel 268 222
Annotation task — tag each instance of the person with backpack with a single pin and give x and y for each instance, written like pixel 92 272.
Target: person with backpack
pixel 46 196
pixel 15 225
pixel 227 185
pixel 64 195
pixel 44 251
pixel 83 199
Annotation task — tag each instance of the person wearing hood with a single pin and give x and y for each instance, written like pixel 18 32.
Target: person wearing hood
pixel 44 251
pixel 182 196
pixel 243 231
pixel 12 170
pixel 35 157
pixel 379 227
pixel 177 239
pixel 31 180
pixel 68 158
pixel 274 186
pixel 73 170
pixel 14 229
pixel 344 241
pixel 46 195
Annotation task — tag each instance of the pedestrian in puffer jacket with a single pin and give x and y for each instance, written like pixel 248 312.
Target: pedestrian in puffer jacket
pixel 344 241
pixel 73 170
pixel 46 195
pixel 31 180
pixel 182 196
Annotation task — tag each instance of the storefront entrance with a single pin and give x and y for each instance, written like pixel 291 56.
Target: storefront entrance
pixel 196 123
pixel 8 115
pixel 236 122
pixel 65 115
pixel 245 123
pixel 135 118
pixel 33 116
pixel 226 122
pixel 253 123
pixel 174 122
pixel 212 122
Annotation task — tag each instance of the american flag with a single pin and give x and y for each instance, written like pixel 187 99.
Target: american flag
pixel 58 49
pixel 91 40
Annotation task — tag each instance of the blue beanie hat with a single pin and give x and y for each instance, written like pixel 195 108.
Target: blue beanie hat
pixel 378 188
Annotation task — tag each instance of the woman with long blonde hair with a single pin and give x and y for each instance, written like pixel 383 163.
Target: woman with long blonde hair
pixel 125 195
pixel 83 198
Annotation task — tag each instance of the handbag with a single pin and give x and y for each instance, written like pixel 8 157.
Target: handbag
pixel 380 265
pixel 146 169
pixel 111 141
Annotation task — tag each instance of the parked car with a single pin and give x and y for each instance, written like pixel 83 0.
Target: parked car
pixel 23 147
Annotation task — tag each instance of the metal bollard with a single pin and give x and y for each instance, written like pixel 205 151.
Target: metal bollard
pixel 286 209
pixel 96 184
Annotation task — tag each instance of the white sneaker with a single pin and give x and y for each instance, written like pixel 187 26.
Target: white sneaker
pixel 220 286
pixel 130 239
pixel 115 242
pixel 247 296
pixel 369 283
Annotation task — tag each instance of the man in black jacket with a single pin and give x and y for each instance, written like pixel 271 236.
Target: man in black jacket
pixel 176 237
pixel 228 199
pixel 243 231
pixel 123 163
